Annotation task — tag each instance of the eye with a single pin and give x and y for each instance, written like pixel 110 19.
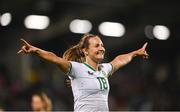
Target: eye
pixel 97 45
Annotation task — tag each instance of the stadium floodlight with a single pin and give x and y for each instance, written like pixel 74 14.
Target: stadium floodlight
pixel 80 26
pixel 148 30
pixel 5 19
pixel 112 29
pixel 161 32
pixel 36 22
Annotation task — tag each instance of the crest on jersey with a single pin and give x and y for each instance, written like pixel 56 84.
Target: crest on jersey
pixel 104 73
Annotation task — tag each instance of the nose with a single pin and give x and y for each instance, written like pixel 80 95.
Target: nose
pixel 101 48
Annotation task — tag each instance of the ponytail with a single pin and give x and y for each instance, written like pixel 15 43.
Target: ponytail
pixel 75 53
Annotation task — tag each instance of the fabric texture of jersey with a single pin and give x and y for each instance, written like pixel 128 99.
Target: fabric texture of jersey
pixel 90 87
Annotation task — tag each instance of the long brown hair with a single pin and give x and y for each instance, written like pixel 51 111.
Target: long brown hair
pixel 75 52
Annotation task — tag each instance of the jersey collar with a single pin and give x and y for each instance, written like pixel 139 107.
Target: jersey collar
pixel 89 66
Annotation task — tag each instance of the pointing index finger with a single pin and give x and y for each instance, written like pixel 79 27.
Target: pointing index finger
pixel 144 46
pixel 24 42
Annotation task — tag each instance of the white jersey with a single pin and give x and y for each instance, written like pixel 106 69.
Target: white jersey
pixel 90 87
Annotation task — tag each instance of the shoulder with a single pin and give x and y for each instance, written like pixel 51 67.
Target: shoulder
pixel 75 68
pixel 74 63
pixel 105 66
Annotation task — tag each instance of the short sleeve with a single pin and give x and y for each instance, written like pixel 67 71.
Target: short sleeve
pixel 74 67
pixel 107 68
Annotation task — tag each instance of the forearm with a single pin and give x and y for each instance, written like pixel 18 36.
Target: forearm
pixel 46 55
pixel 51 57
pixel 122 60
pixel 63 64
pixel 125 58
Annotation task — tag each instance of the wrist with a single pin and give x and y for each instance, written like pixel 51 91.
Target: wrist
pixel 35 50
pixel 134 54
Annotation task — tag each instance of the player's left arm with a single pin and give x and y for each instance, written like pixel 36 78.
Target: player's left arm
pixel 124 59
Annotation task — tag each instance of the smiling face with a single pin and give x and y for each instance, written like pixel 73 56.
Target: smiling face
pixel 95 50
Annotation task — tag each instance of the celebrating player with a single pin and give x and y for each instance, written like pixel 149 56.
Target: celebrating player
pixel 89 77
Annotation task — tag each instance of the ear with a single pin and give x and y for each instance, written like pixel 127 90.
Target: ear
pixel 84 50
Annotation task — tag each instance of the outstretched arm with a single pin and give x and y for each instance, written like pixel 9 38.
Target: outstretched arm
pixel 124 59
pixel 49 56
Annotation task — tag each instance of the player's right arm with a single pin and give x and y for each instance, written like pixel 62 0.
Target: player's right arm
pixel 27 48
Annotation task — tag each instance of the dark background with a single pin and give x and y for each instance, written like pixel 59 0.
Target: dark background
pixel 151 84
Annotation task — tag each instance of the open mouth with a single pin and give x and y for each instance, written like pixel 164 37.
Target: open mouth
pixel 100 52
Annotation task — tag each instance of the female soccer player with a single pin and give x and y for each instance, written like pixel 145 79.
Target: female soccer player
pixel 89 77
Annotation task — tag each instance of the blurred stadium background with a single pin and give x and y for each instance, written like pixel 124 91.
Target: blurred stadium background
pixel 151 84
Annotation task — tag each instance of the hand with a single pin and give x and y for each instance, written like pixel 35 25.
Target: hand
pixel 26 48
pixel 142 51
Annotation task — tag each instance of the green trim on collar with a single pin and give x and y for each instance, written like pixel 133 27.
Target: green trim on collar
pixel 89 66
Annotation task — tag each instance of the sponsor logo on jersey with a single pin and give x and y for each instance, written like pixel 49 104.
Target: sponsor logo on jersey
pixel 90 73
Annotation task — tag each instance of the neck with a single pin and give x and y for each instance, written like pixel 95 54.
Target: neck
pixel 92 63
